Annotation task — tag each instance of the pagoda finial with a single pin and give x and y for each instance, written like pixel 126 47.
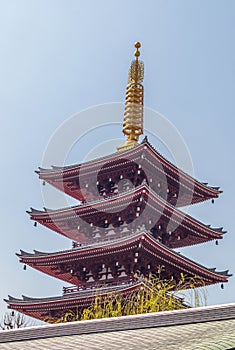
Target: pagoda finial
pixel 133 114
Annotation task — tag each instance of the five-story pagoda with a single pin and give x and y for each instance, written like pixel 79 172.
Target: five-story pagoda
pixel 127 222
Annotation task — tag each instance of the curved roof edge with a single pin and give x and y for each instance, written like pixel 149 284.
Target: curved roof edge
pixel 119 241
pixel 143 186
pixel 59 169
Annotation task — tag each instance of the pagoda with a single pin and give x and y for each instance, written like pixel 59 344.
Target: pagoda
pixel 127 222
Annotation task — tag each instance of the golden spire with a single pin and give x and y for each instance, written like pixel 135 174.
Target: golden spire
pixel 133 114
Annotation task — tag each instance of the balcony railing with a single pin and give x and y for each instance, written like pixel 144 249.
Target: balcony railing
pixel 108 286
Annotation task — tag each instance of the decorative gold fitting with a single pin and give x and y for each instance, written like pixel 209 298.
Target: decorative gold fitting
pixel 133 114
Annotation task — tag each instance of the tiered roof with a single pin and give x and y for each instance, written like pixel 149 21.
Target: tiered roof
pixel 106 218
pixel 136 164
pixel 118 260
pixel 55 307
pixel 126 223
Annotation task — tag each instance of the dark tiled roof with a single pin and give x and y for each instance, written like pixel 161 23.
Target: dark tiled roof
pixel 89 292
pixel 120 241
pixel 60 169
pixel 205 184
pixel 55 214
pixel 131 192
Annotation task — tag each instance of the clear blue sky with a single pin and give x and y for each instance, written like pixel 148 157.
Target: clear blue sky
pixel 58 57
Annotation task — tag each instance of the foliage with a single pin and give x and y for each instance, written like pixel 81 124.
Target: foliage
pixel 155 294
pixel 13 320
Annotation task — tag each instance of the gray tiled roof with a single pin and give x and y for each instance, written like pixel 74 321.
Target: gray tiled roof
pixel 198 328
